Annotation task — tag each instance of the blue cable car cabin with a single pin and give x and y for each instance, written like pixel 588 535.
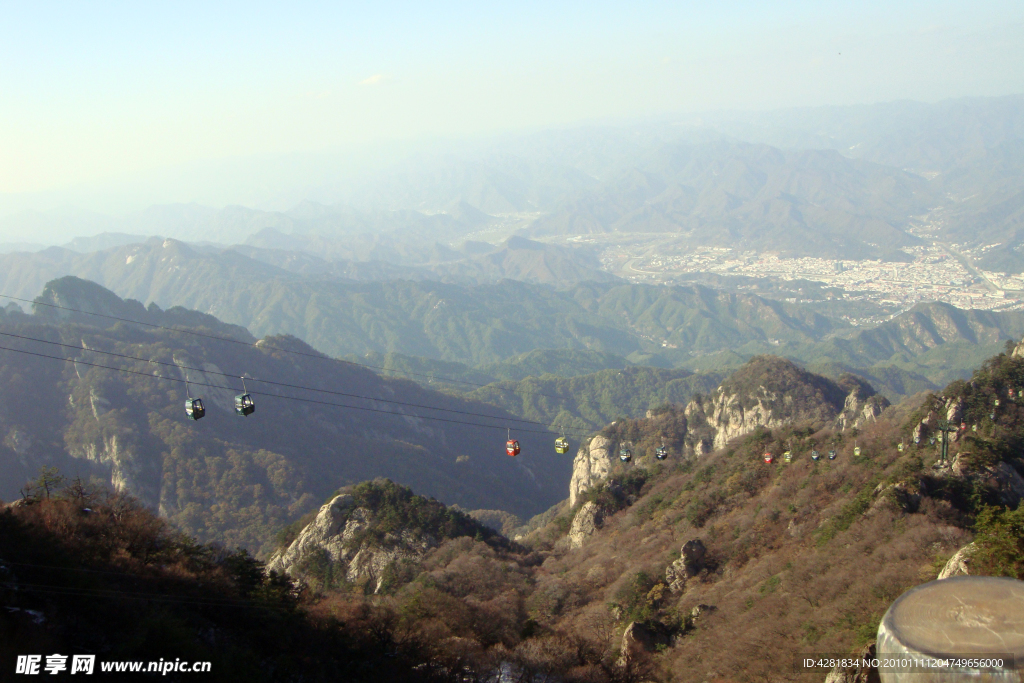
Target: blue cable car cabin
pixel 194 408
pixel 244 405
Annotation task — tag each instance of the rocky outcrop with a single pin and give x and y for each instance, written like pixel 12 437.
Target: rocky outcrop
pixel 335 535
pixel 689 564
pixel 643 637
pixel 959 564
pixel 592 465
pixel 129 473
pixel 772 392
pixel 904 496
pixel 1018 351
pixel 700 610
pixel 328 531
pixel 1007 482
pixel 732 415
pixel 856 674
pixel 858 412
pixel 587 521
pixel 1002 478
pixel 767 392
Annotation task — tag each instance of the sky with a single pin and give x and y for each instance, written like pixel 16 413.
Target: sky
pixel 96 96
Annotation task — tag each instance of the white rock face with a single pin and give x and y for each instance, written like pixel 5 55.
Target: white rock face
pixel 126 470
pixel 689 564
pixel 727 416
pixel 731 416
pixel 587 521
pixel 1018 351
pixel 592 464
pixel 335 531
pixel 959 564
pixel 326 531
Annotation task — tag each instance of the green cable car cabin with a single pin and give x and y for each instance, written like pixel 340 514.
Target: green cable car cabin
pixel 244 405
pixel 661 453
pixel 194 408
pixel 561 445
pixel 625 454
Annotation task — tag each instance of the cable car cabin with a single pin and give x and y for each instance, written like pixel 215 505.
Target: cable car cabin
pixel 244 405
pixel 856 450
pixel 831 455
pixel 788 456
pixel 769 458
pixel 194 408
pixel 815 455
pixel 561 445
pixel 512 447
pixel 899 447
pixel 625 455
pixel 661 453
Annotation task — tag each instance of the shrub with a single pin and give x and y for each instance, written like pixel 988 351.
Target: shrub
pixel 1000 542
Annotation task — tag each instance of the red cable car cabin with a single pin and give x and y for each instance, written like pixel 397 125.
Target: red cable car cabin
pixel 512 447
pixel 769 458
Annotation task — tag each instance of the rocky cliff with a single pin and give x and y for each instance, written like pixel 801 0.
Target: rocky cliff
pixel 767 392
pixel 335 541
pixel 367 533
pixel 772 392
pixel 593 463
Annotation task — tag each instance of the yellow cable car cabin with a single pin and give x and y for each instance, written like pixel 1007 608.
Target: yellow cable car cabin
pixel 788 456
pixel 561 445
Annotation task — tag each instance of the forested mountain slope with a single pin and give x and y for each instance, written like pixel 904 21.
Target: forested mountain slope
pixel 722 565
pixel 471 324
pixel 230 478
pixel 530 326
pixel 88 572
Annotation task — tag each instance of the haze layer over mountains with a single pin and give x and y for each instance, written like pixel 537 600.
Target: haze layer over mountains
pixel 829 181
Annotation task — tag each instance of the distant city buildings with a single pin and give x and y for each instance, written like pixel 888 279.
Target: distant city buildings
pixel 932 273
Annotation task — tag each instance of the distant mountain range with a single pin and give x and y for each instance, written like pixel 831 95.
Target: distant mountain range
pixel 754 197
pixel 828 181
pixel 483 323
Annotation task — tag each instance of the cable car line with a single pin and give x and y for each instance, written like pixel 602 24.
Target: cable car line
pixel 256 344
pixel 282 396
pixel 267 381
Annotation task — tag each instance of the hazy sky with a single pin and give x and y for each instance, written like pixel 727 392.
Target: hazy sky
pixel 102 92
